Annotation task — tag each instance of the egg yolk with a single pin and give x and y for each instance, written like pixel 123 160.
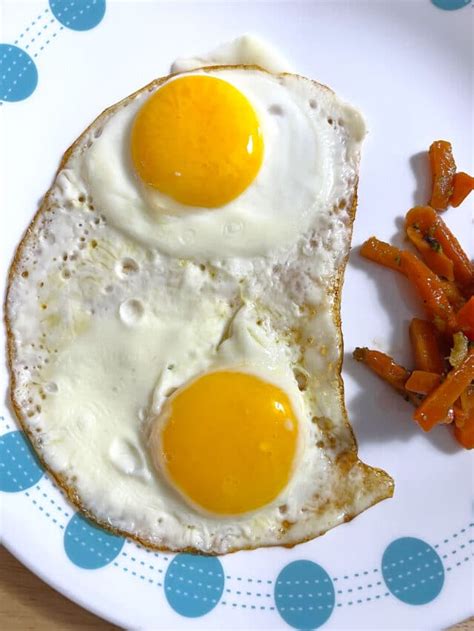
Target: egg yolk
pixel 229 441
pixel 198 140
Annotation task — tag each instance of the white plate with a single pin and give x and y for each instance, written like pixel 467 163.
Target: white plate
pixel 408 66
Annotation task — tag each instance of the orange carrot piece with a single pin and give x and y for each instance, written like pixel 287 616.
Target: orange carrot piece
pixel 453 294
pixel 460 416
pixel 465 318
pixel 431 252
pixel 425 345
pixel 430 290
pixel 427 220
pixel 465 433
pixel 435 408
pixel 467 399
pixel 443 169
pixel 382 253
pixel 422 382
pixel 463 184
pixel 383 366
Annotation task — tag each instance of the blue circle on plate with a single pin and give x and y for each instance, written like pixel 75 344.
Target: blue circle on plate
pixel 304 595
pixel 412 571
pixel 194 584
pixel 450 5
pixel 18 74
pixel 89 546
pixel 78 15
pixel 19 466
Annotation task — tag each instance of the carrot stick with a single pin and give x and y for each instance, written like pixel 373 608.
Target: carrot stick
pixel 465 317
pixel 425 345
pixel 467 399
pixel 382 253
pixel 463 184
pixel 435 408
pixel 422 382
pixel 465 434
pixel 430 290
pixel 460 416
pixel 443 169
pixel 431 252
pixel 430 223
pixel 383 366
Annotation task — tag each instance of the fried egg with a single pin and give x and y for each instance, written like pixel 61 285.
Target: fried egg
pixel 173 314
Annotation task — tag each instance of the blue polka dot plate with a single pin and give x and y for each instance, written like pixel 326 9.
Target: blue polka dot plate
pixel 408 562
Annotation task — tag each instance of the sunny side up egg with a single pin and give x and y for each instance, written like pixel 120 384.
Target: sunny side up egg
pixel 173 314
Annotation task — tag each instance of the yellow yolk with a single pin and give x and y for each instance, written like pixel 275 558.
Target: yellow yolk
pixel 229 441
pixel 198 140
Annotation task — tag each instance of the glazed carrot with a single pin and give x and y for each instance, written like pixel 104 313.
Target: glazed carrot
pixel 430 290
pixel 384 366
pixel 425 345
pixel 460 416
pixel 465 318
pixel 467 399
pixel 443 169
pixel 435 408
pixel 422 382
pixel 463 184
pixel 453 294
pixel 382 253
pixel 427 220
pixel 431 252
pixel 465 434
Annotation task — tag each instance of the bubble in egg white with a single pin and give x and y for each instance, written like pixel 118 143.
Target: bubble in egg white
pixel 131 311
pixel 188 236
pixel 231 229
pixel 127 458
pixel 276 109
pixel 126 267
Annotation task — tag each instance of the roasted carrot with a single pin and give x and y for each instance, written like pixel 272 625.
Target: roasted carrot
pixel 422 382
pixel 453 294
pixel 465 434
pixel 460 416
pixel 435 408
pixel 465 318
pixel 431 252
pixel 384 366
pixel 424 340
pixel 463 184
pixel 427 220
pixel 430 290
pixel 464 409
pixel 467 399
pixel 443 169
pixel 382 253
pixel 425 345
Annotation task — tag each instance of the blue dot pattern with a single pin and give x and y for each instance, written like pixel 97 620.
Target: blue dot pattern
pixel 304 595
pixel 412 571
pixel 19 466
pixel 450 5
pixel 78 15
pixel 89 546
pixel 194 584
pixel 18 74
